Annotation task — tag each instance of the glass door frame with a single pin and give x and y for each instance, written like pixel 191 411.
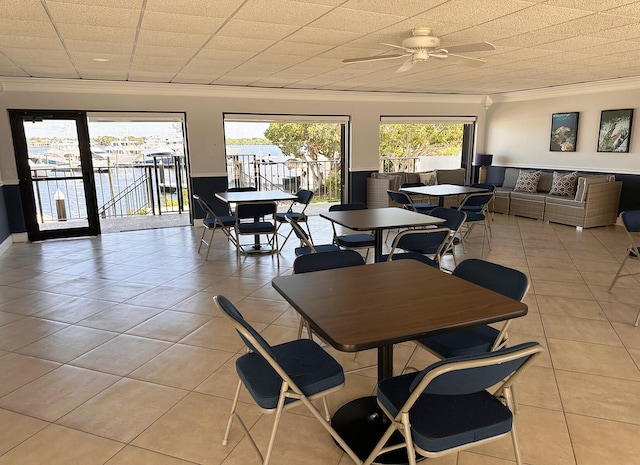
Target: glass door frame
pixel 35 233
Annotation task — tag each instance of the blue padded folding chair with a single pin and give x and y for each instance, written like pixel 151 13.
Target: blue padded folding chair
pixel 324 261
pixel 454 220
pixel 211 221
pixel 447 407
pixel 303 198
pixel 631 222
pixel 256 219
pixel 418 243
pixel 476 206
pixel 281 377
pixel 404 199
pixel 356 240
pixel 306 246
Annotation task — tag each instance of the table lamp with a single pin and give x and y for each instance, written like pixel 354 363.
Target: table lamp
pixel 482 160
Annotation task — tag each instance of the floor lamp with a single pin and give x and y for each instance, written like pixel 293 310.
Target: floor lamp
pixel 482 160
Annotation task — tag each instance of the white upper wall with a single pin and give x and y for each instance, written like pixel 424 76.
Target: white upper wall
pixel 519 127
pixel 205 105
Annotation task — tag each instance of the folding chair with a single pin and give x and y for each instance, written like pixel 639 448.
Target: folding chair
pixel 417 244
pixel 281 377
pixel 476 206
pixel 454 220
pixel 304 198
pixel 447 407
pixel 356 240
pixel 252 219
pixel 407 202
pixel 212 221
pixel 306 246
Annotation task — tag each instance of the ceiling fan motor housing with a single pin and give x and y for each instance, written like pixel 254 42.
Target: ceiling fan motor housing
pixel 420 42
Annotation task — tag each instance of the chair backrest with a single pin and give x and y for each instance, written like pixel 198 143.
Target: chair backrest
pixel 327 261
pixel 432 241
pixel 468 374
pixel 256 210
pixel 304 196
pixel 300 233
pixel 205 206
pixel 252 338
pixel 242 189
pixel 453 218
pixel 506 281
pixel 484 185
pixel 347 207
pixel 412 184
pixel 477 199
pixel 400 198
pixel 631 220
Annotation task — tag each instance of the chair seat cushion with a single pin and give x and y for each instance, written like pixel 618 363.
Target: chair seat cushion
pixel 424 206
pixel 356 240
pixel 297 216
pixel 410 256
pixel 476 340
pixel 440 422
pixel 308 365
pixel 226 220
pixel 319 248
pixel 256 227
pixel 473 216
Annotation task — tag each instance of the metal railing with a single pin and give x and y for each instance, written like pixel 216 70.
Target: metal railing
pixel 321 177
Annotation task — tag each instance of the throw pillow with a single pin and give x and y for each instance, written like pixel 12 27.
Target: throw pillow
pixel 564 184
pixel 428 179
pixel 510 178
pixel 527 181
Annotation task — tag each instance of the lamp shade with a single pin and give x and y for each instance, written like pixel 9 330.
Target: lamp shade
pixel 482 159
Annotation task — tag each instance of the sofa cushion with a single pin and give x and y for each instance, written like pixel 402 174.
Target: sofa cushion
pixel 529 196
pixel 545 182
pixel 451 176
pixel 395 179
pixel 411 177
pixel 510 178
pixel 428 178
pixel 564 184
pixel 561 200
pixel 585 180
pixel 527 181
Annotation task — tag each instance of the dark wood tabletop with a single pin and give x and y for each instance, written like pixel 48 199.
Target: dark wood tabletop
pixel 382 304
pixel 254 196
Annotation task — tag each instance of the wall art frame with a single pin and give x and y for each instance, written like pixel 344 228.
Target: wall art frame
pixel 564 132
pixel 615 130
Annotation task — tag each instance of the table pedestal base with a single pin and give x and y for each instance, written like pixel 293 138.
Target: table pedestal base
pixel 361 424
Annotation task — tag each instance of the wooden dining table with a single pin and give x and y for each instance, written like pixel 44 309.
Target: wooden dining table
pixel 379 219
pixel 382 304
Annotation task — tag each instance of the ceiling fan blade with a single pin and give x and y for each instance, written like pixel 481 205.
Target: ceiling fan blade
pixel 467 61
pixel 466 48
pixel 398 46
pixel 406 66
pixel 373 58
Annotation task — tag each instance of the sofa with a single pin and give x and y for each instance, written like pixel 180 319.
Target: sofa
pixel 379 183
pixel 585 200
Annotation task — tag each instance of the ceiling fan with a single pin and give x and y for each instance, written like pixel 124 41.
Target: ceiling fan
pixel 422 45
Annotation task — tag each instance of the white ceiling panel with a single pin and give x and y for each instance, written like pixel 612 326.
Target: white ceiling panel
pixel 301 44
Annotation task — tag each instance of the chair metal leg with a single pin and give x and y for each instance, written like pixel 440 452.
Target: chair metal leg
pixel 637 319
pixel 232 414
pixel 206 257
pixel 276 422
pixel 615 278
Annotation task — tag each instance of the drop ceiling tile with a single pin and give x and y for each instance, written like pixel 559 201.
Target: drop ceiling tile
pixel 409 7
pixel 344 19
pixel 471 12
pixel 175 39
pixel 285 47
pixel 235 56
pixel 92 15
pixel 630 9
pixel 150 76
pixel 171 22
pixel 537 17
pixel 100 74
pixel 130 4
pixel 104 33
pixel 38 43
pixel 30 10
pixel 192 78
pixel 256 29
pixel 589 5
pixel 590 25
pixel 314 35
pixel 98 46
pixel 164 50
pixel 239 44
pixel 18 27
pixel 279 12
pixel 86 58
pixel 218 9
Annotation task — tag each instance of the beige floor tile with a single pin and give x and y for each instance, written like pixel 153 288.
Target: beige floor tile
pixel 67 344
pixel 537 388
pixel 217 334
pixel 201 303
pixel 261 310
pixel 552 274
pixel 194 428
pixel 580 329
pixel 599 396
pixel 80 286
pixel 35 302
pixel 135 456
pixel 16 428
pixel 182 366
pixel 593 441
pixel 169 326
pixel 18 370
pixel 594 359
pixel 161 297
pixel 25 331
pixel 120 292
pixel 120 317
pixel 56 445
pixel 124 410
pixel 564 306
pixel 75 310
pixel 6 317
pixel 619 312
pixel 121 355
pixel 10 294
pixel 629 334
pixel 223 382
pixel 57 392
pixel 560 289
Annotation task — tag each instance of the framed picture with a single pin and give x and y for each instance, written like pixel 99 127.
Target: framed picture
pixel 615 130
pixel 564 132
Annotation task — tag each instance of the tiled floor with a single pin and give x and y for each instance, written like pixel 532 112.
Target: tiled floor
pixel 111 351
